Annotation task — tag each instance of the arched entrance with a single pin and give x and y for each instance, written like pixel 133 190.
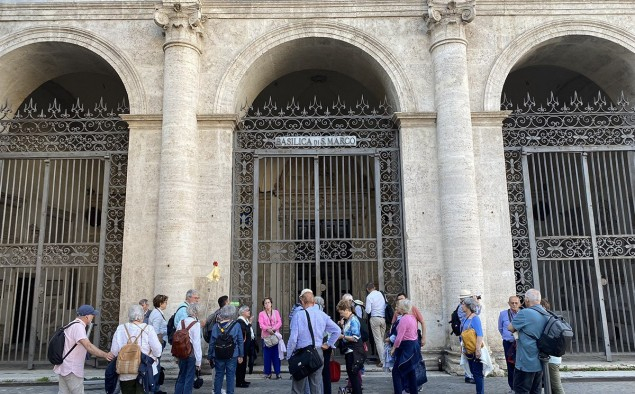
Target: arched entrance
pixel 317 198
pixel 570 179
pixel 63 165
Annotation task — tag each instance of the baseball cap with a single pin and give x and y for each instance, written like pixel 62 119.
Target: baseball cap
pixel 86 310
pixel 303 292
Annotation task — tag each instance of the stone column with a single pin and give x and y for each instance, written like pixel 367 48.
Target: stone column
pixel 176 224
pixel 461 237
pixel 142 193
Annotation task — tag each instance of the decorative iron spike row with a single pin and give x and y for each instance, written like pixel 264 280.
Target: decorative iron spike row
pixel 575 104
pixel 54 111
pixel 315 108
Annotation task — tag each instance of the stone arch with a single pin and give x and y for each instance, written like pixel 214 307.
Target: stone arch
pixel 237 85
pixel 91 42
pixel 522 45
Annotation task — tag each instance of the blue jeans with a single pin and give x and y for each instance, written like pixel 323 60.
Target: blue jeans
pixel 187 372
pixel 476 367
pixel 225 367
pixel 270 354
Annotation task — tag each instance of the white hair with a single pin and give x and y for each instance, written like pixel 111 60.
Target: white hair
pixel 533 295
pixel 135 313
pixel 228 312
pixel 193 310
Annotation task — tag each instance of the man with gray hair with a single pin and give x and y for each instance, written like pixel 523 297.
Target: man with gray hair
pixel 191 297
pixel 300 337
pixel 529 323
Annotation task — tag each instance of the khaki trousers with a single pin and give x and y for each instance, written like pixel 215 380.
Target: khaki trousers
pixel 71 384
pixel 378 327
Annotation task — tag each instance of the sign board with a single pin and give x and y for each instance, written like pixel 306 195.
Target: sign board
pixel 316 141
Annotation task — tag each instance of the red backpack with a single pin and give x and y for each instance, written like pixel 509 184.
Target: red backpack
pixel 181 345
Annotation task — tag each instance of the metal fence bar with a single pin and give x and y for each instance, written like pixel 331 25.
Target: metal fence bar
pixel 596 260
pixel 38 266
pixel 530 215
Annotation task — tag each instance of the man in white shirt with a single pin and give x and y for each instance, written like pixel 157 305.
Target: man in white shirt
pixel 376 309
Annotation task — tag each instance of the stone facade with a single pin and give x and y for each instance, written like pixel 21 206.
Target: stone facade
pixel 189 68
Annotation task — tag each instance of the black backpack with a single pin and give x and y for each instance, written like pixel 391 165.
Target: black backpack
pixel 455 322
pixel 389 312
pixel 363 323
pixel 55 351
pixel 556 336
pixel 225 343
pixel 171 326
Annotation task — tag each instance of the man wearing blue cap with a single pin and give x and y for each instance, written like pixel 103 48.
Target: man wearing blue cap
pixel 71 371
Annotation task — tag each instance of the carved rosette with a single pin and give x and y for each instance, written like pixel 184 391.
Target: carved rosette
pixel 182 23
pixel 450 12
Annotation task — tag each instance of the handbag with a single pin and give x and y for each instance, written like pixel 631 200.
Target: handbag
pixel 468 336
pixel 306 360
pixel 271 341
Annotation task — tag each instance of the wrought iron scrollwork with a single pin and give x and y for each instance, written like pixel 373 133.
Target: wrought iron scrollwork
pixel 373 128
pixel 67 130
pixel 572 123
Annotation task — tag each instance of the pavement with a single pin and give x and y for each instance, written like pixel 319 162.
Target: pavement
pixel 578 377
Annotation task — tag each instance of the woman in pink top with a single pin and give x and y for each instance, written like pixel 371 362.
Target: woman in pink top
pixel 406 350
pixel 270 322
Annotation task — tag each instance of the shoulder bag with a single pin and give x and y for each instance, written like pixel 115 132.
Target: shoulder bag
pixel 306 360
pixel 272 340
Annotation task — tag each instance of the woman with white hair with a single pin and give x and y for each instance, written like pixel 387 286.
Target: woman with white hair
pixel 405 350
pixel 472 335
pixel 145 337
pixel 189 366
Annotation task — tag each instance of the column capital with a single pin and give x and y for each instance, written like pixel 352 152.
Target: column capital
pixel 449 12
pixel 182 23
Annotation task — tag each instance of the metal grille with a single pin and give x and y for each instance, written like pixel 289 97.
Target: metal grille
pixel 328 218
pixel 62 177
pixel 572 212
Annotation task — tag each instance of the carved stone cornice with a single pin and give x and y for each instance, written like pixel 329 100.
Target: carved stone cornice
pixel 447 12
pixel 182 22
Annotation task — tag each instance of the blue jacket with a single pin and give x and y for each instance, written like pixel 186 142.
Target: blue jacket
pixel 407 356
pixel 145 376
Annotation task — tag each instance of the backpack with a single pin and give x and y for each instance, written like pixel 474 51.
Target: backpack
pixel 55 350
pixel 181 344
pixel 556 336
pixel 389 312
pixel 171 327
pixel 225 343
pixel 363 322
pixel 455 322
pixel 129 356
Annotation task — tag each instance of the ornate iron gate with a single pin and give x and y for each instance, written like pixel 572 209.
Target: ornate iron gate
pixel 571 182
pixel 317 203
pixel 63 180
